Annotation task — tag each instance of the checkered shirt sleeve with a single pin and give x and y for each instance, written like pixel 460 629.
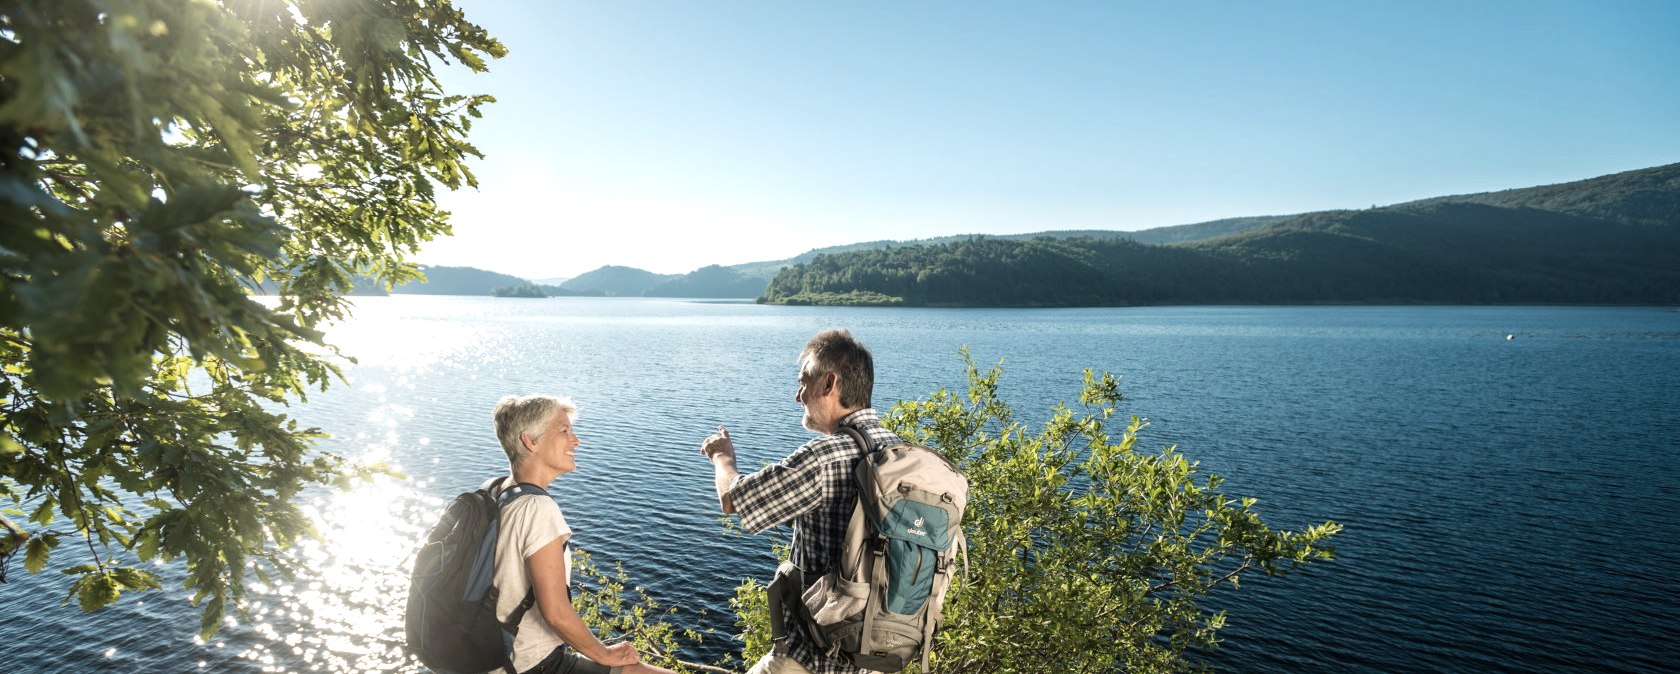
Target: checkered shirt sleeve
pixel 777 493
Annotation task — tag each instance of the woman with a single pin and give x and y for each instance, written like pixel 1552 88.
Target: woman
pixel 531 554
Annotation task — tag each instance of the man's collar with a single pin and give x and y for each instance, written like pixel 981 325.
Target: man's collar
pixel 859 416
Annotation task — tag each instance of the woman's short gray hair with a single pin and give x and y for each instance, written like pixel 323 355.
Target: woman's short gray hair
pixel 530 416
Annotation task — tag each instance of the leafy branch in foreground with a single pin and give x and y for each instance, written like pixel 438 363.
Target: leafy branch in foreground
pixel 1086 555
pixel 160 163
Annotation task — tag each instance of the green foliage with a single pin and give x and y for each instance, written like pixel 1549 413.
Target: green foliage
pixel 616 611
pixel 854 298
pixel 1621 234
pixel 1086 554
pixel 751 603
pixel 752 615
pixel 160 162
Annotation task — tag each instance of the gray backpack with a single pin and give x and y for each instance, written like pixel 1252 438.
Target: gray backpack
pixel 880 607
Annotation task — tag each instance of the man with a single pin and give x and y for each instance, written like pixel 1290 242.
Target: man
pixel 812 487
pixel 531 554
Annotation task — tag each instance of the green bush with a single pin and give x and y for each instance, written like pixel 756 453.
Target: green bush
pixel 1086 554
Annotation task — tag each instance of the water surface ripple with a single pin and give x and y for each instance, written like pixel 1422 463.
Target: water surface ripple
pixel 1509 501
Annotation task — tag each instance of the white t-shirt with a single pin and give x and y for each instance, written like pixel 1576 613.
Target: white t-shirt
pixel 529 522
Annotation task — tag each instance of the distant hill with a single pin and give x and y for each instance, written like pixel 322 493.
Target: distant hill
pixel 1648 196
pixel 710 281
pixel 1202 231
pixel 1613 239
pixel 614 280
pixel 457 281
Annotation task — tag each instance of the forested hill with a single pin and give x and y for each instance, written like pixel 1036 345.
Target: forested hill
pixel 615 280
pixel 1649 196
pixel 457 281
pixel 1170 234
pixel 1614 239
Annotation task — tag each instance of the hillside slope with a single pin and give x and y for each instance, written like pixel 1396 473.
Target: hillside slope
pixel 1613 239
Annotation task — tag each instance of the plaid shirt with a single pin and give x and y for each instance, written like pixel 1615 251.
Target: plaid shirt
pixel 815 490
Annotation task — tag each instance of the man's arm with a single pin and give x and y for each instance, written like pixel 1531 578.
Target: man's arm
pixel 769 496
pixel 721 451
pixel 547 567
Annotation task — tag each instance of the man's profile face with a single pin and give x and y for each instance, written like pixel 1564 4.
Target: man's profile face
pixel 810 397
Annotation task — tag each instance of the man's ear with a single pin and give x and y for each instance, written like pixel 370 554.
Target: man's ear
pixel 525 439
pixel 830 380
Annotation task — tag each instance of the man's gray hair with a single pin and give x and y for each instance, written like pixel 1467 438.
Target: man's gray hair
pixel 836 350
pixel 527 415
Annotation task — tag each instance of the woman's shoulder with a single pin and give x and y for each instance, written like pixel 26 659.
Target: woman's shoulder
pixel 535 513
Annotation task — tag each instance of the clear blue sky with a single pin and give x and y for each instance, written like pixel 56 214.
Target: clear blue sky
pixel 669 135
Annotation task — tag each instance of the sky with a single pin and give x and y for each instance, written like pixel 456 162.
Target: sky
pixel 669 135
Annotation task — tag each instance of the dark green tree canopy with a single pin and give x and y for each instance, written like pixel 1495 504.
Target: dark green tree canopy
pixel 160 163
pixel 1609 240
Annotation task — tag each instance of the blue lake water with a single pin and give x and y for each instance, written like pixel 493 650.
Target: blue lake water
pixel 1510 503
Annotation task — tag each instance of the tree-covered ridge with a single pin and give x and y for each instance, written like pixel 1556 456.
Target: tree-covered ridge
pixel 1613 240
pixel 1648 196
pixel 1169 234
pixel 995 272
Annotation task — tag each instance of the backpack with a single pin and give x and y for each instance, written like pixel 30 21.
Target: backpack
pixel 451 617
pixel 879 608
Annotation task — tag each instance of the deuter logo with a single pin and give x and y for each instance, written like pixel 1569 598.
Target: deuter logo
pixel 916 528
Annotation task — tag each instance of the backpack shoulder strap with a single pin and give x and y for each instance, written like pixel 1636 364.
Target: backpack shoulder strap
pixel 511 626
pixel 491 488
pixel 519 490
pixel 864 477
pixel 859 437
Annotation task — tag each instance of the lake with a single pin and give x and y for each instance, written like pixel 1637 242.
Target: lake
pixel 1506 475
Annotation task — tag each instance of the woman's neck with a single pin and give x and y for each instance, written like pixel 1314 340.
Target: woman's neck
pixel 531 474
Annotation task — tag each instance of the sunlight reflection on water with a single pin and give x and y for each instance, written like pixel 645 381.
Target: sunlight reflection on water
pixel 344 611
pixel 346 614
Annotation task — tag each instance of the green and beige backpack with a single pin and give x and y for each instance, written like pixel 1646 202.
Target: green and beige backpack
pixel 879 608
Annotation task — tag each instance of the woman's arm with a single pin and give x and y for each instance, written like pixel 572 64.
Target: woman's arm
pixel 547 567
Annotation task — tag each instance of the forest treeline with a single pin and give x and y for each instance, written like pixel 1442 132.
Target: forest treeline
pixel 1609 240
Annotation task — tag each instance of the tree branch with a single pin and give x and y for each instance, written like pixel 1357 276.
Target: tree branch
pixel 1247 562
pixel 12 527
pixel 693 665
pixel 17 341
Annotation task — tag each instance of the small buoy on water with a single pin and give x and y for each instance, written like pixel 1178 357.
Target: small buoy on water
pixel 1510 337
